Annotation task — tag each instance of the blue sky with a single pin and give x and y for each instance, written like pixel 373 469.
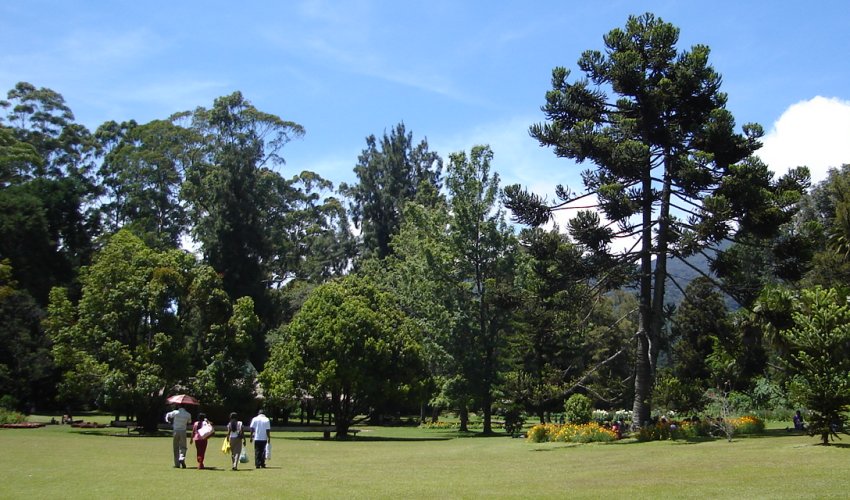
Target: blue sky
pixel 457 73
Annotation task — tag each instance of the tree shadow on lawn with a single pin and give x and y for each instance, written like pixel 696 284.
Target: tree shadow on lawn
pixel 367 438
pixel 770 433
pixel 112 433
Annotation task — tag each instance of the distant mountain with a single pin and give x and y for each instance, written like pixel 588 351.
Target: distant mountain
pixel 683 272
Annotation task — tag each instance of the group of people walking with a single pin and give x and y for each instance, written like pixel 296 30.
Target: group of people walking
pixel 202 430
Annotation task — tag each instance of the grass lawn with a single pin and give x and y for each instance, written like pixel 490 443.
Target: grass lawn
pixel 58 462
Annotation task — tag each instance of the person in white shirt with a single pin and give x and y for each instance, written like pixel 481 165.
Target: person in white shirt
pixel 179 419
pixel 260 434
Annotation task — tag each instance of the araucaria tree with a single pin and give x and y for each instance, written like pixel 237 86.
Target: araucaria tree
pixel 670 169
pixel 818 343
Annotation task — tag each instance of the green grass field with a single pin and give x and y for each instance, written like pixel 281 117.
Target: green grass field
pixel 58 462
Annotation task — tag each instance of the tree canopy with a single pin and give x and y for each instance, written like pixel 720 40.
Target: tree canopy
pixel 350 341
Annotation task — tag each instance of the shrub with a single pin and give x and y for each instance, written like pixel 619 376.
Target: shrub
pixel 540 433
pixel 578 409
pixel 514 419
pixel 11 417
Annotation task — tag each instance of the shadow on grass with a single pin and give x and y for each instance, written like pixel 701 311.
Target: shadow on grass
pixel 369 438
pixel 769 433
pixel 113 434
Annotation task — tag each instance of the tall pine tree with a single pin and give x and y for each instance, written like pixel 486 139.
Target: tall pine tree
pixel 670 169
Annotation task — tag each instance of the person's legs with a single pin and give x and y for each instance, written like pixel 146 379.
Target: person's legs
pixel 201 448
pixel 175 445
pixel 181 446
pixel 235 451
pixel 259 454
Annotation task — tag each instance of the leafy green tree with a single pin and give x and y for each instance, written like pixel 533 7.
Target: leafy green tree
pixel 225 378
pixel 350 341
pixel 485 249
pixel 704 346
pixel 547 347
pixel 141 176
pixel 818 343
pixel 824 219
pixel 654 122
pixel 125 328
pixel 60 178
pixel 237 201
pixel 389 174
pixel 16 158
pixel 420 272
pixel 150 322
pixel 26 367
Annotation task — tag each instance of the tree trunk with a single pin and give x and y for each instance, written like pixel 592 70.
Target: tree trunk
pixel 488 412
pixel 651 296
pixel 643 380
pixel 464 418
pixel 643 383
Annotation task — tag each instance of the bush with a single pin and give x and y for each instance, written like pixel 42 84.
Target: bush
pixel 11 417
pixel 578 409
pixel 540 433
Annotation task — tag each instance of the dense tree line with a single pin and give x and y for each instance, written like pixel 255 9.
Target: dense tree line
pixel 410 289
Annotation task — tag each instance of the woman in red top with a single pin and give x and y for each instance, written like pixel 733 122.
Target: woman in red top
pixel 200 437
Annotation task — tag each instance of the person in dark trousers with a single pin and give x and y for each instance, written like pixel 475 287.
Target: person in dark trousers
pixel 260 434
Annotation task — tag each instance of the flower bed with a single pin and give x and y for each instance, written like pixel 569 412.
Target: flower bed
pixel 88 425
pixel 687 429
pixel 571 433
pixel 22 425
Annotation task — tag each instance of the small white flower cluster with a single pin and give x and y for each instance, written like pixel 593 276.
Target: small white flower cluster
pixel 600 415
pixel 625 415
pixel 612 416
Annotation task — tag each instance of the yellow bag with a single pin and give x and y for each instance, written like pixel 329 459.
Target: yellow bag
pixel 225 446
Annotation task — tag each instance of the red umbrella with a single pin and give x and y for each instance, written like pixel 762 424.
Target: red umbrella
pixel 183 399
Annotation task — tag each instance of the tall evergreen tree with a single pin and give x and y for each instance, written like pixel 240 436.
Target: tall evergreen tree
pixel 141 174
pixel 233 194
pixel 55 172
pixel 389 174
pixel 485 249
pixel 654 122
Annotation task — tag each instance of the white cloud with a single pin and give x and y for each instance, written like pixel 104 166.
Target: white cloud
pixel 813 133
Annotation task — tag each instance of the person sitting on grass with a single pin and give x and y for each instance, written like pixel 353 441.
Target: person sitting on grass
pixel 799 424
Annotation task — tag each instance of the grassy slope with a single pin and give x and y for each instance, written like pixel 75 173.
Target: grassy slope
pixel 56 462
